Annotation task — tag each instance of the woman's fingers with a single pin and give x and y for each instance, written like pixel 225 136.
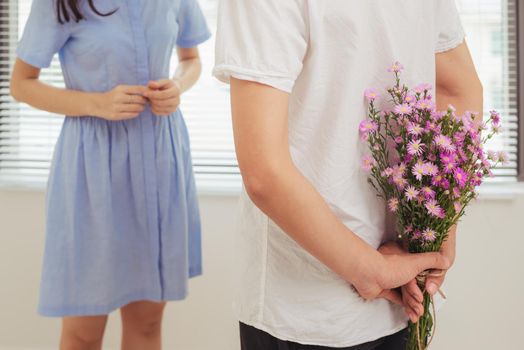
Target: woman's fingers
pixel 131 108
pixel 134 99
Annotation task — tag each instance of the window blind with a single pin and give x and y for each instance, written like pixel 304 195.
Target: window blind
pixel 491 31
pixel 27 136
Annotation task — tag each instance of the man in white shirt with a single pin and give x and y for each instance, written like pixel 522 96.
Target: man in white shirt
pixel 310 224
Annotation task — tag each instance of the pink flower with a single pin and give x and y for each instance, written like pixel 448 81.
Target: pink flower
pixel 434 208
pixel 495 117
pixel 430 168
pixel 371 94
pixel 444 143
pixel 457 206
pixel 456 192
pixel 419 170
pixel 411 193
pixel 388 172
pixel 426 104
pixel 444 183
pixel 398 139
pixel 410 99
pixel 415 129
pixel 415 148
pixel 421 88
pixel 368 163
pixel 396 67
pixel 402 109
pixel 393 204
pixel 366 127
pixel 503 157
pixel 448 162
pixel 460 177
pixel 428 192
pixel 429 235
pixel 400 182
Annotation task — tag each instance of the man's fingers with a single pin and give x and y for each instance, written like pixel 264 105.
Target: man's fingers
pixel 413 289
pixel 433 283
pixel 392 295
pixel 430 261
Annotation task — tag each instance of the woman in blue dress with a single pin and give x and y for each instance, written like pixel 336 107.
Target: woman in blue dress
pixel 123 227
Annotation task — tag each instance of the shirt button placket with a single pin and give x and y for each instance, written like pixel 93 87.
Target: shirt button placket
pixel 148 132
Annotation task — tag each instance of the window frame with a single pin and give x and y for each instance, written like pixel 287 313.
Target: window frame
pixel 520 88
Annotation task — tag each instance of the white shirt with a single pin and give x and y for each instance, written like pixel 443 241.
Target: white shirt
pixel 325 54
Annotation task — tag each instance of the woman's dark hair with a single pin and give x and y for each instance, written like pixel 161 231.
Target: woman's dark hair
pixel 69 10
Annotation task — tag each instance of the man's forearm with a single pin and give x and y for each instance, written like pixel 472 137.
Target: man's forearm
pixel 292 202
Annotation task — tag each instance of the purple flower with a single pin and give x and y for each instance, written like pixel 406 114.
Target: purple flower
pixel 444 183
pixel 460 177
pixel 456 192
pixel 396 67
pixel 428 192
pixel 415 147
pixel 402 109
pixel 429 235
pixel 437 180
pixel 371 94
pixel 434 208
pixel 411 193
pixel 398 139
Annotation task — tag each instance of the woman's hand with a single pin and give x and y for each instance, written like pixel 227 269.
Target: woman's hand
pixel 123 102
pixel 164 96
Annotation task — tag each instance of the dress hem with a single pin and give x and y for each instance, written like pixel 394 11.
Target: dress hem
pixel 107 309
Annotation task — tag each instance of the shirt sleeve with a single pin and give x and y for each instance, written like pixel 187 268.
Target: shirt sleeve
pixel 193 29
pixel 43 35
pixel 262 41
pixel 450 33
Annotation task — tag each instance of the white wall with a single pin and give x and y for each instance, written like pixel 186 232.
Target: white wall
pixel 485 288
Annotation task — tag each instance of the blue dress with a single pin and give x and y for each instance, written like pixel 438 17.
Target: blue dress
pixel 122 215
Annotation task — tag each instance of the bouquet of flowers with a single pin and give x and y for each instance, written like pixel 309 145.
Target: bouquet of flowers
pixel 427 165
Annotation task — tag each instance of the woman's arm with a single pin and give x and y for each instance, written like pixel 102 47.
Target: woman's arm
pixel 165 94
pixel 277 187
pixel 123 102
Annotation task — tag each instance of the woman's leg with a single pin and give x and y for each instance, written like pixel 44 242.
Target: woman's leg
pixel 83 333
pixel 141 325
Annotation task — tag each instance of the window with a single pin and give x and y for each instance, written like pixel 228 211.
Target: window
pixel 491 29
pixel 27 136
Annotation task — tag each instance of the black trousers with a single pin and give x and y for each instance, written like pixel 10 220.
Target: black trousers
pixel 254 339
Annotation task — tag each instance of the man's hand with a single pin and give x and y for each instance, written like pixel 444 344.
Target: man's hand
pixel 412 296
pixel 164 96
